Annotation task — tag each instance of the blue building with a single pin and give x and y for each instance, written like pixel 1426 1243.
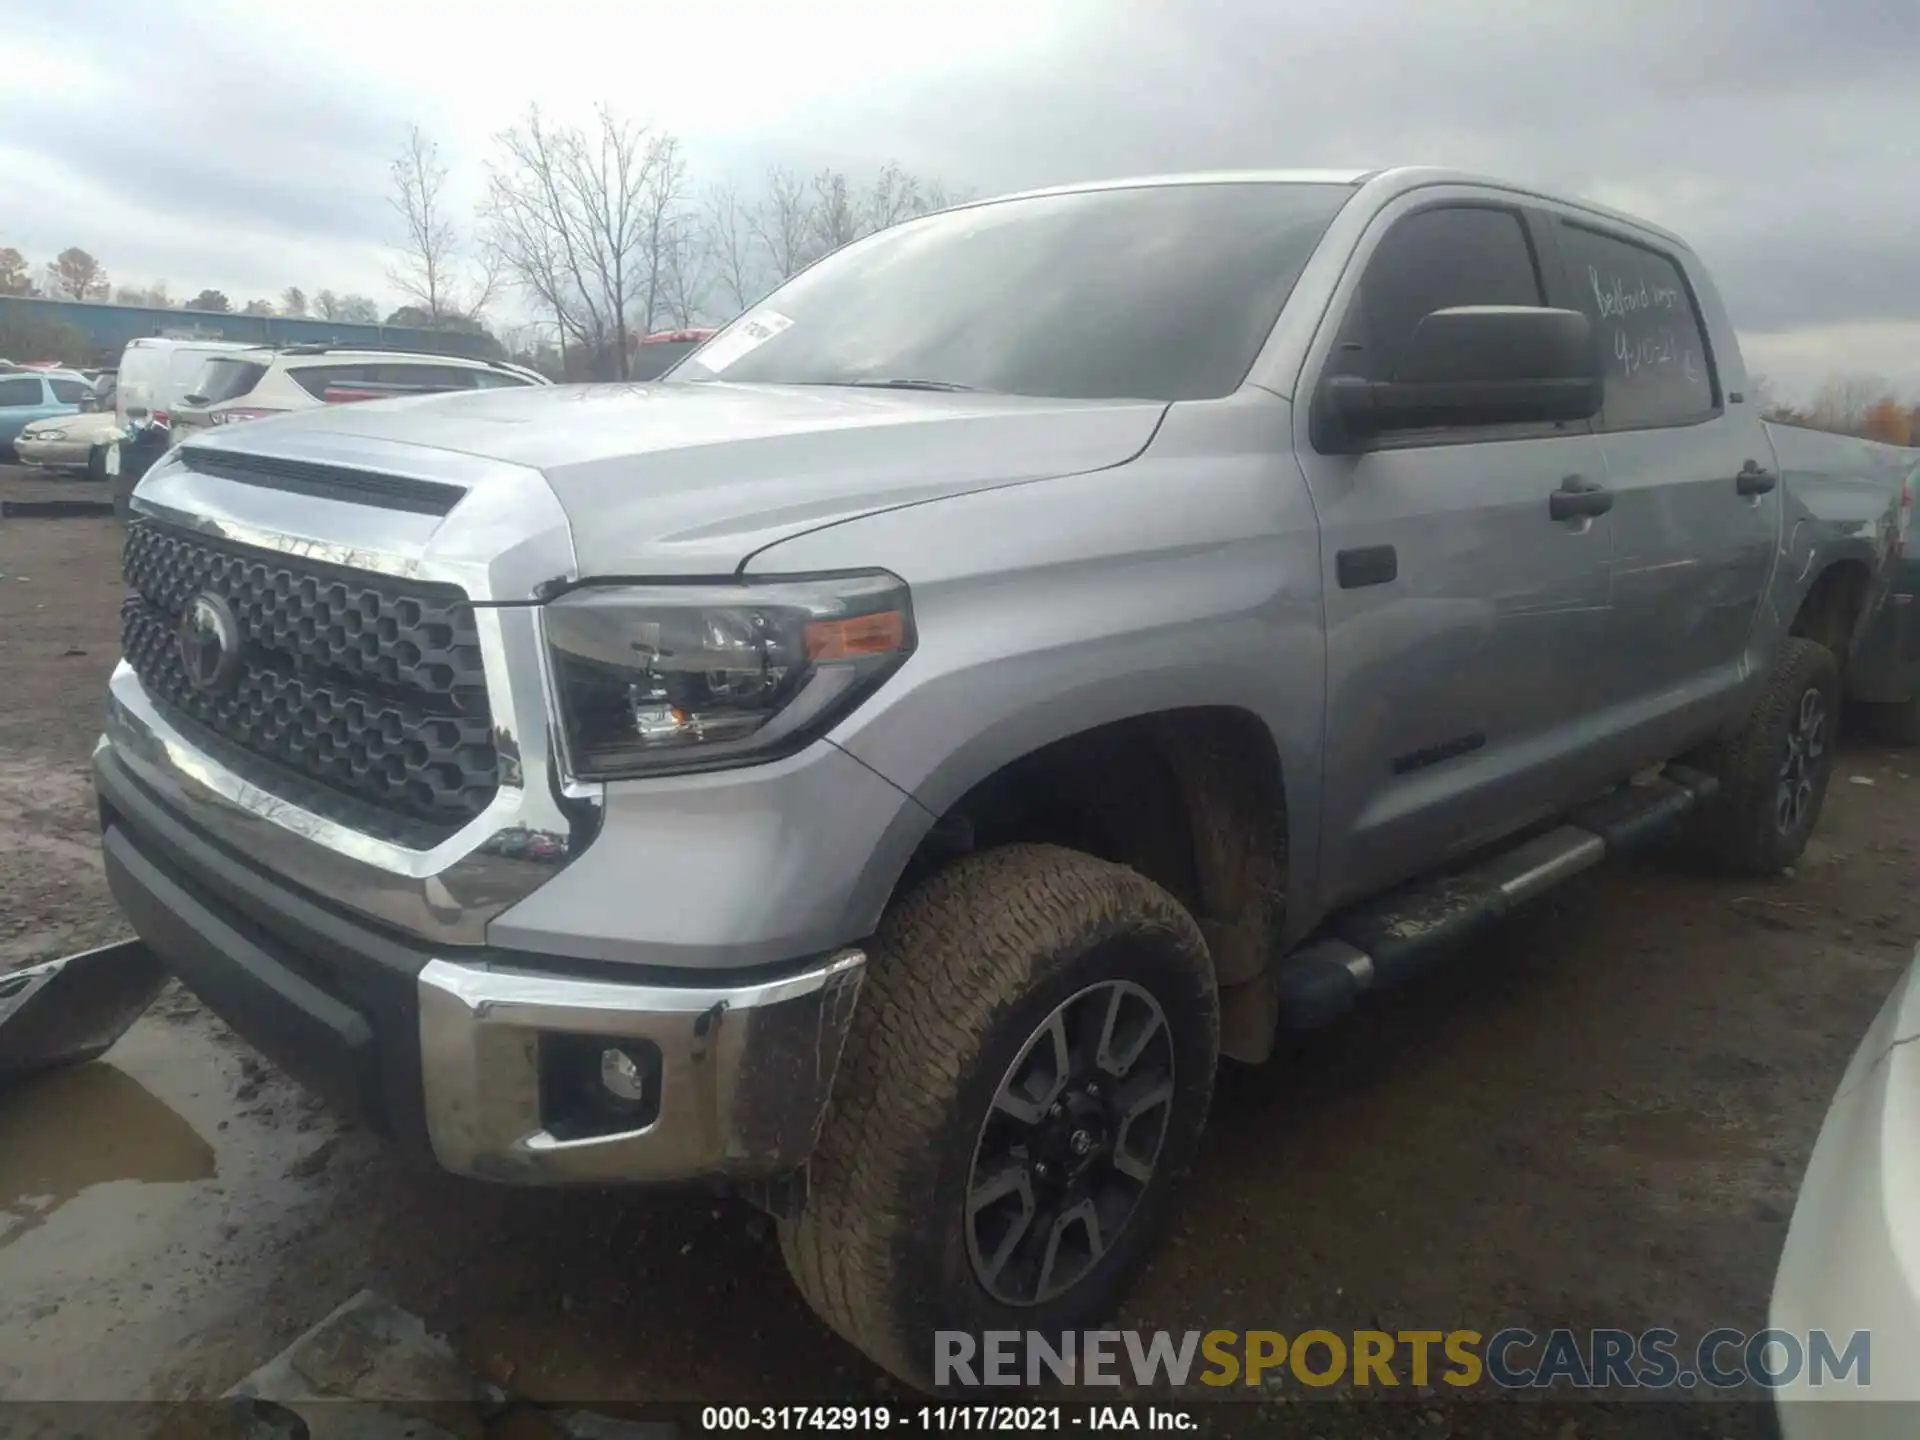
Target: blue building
pixel 108 328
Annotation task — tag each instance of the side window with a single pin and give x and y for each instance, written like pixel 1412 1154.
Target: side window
pixel 1651 340
pixel 497 380
pixel 69 392
pixel 1434 260
pixel 24 390
pixel 314 379
pixel 426 377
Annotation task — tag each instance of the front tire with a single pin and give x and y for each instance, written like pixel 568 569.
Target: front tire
pixel 1025 1083
pixel 1775 769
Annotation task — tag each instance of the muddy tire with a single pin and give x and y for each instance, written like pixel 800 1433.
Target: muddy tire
pixel 1025 1083
pixel 1775 769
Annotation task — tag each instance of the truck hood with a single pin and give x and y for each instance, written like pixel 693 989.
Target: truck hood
pixel 692 479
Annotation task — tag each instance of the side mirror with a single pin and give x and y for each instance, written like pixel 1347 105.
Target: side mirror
pixel 1468 367
pixel 88 405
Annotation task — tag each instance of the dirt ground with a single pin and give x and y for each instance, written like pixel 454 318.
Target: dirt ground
pixel 1599 1119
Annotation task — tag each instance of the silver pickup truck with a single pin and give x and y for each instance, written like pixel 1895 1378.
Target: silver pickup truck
pixel 1040 650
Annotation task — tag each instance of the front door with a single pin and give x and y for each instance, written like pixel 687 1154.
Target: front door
pixel 1463 617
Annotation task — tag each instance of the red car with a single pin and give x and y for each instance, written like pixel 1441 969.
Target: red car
pixel 660 351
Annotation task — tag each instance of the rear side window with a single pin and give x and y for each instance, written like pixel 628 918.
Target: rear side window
pixel 220 380
pixel 20 392
pixel 387 378
pixel 498 380
pixel 1651 340
pixel 314 379
pixel 1434 260
pixel 69 392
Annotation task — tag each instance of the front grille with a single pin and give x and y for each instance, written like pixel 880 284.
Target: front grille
pixel 366 685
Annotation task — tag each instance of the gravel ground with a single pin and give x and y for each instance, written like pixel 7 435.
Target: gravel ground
pixel 1599 1119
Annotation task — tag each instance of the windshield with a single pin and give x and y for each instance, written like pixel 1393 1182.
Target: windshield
pixel 1159 292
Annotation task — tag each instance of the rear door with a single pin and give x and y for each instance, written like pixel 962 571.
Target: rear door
pixel 1462 618
pixel 23 399
pixel 1694 541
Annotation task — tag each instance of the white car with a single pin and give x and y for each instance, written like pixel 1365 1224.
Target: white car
pixel 66 442
pixel 156 372
pixel 1852 1258
pixel 250 384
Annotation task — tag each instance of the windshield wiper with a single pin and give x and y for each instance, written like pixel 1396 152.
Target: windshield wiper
pixel 907 383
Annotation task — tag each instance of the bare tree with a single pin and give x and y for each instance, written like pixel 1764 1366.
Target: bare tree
pixel 357 310
pixel 577 218
pixel 432 271
pixel 1842 402
pixel 257 307
pixel 732 249
pixel 326 305
pixel 835 219
pixel 783 223
pixel 685 278
pixel 666 235
pixel 293 301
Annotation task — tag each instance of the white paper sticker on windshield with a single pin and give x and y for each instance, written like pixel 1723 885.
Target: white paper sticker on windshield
pixel 750 334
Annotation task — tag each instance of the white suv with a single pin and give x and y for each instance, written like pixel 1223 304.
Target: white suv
pixel 249 383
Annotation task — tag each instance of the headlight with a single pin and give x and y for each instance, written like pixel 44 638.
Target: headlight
pixel 672 677
pixel 45 435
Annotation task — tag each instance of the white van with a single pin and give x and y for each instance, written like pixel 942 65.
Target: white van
pixel 156 374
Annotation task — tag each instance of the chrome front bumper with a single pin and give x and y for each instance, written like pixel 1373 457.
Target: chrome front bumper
pixel 448 1045
pixel 744 1077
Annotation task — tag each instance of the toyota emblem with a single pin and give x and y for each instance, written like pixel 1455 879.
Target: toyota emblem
pixel 209 643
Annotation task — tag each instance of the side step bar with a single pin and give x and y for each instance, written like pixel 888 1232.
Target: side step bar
pixel 1381 942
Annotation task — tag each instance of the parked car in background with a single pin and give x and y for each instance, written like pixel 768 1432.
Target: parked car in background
pixel 1852 1258
pixel 1884 674
pixel 661 351
pixel 156 373
pixel 75 443
pixel 253 384
pixel 29 395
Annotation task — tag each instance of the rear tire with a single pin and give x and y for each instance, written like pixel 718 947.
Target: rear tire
pixel 1018 1006
pixel 1775 769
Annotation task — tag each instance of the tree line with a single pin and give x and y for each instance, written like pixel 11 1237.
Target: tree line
pixel 601 231
pixel 74 274
pixel 1862 405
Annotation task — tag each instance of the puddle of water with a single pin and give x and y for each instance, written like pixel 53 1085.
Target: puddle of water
pixel 67 1132
pixel 142 1213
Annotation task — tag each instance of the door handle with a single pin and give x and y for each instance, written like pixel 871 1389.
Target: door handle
pixel 1579 498
pixel 1753 480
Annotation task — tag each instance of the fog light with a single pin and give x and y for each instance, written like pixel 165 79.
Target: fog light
pixel 621 1076
pixel 597 1084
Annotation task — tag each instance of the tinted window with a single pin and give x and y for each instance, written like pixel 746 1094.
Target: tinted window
pixel 69 392
pixel 1158 292
pixel 425 377
pixel 1434 260
pixel 1651 340
pixel 314 379
pixel 20 392
pixel 224 380
pixel 497 380
pixel 652 361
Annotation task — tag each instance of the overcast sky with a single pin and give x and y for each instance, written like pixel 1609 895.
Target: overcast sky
pixel 244 145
